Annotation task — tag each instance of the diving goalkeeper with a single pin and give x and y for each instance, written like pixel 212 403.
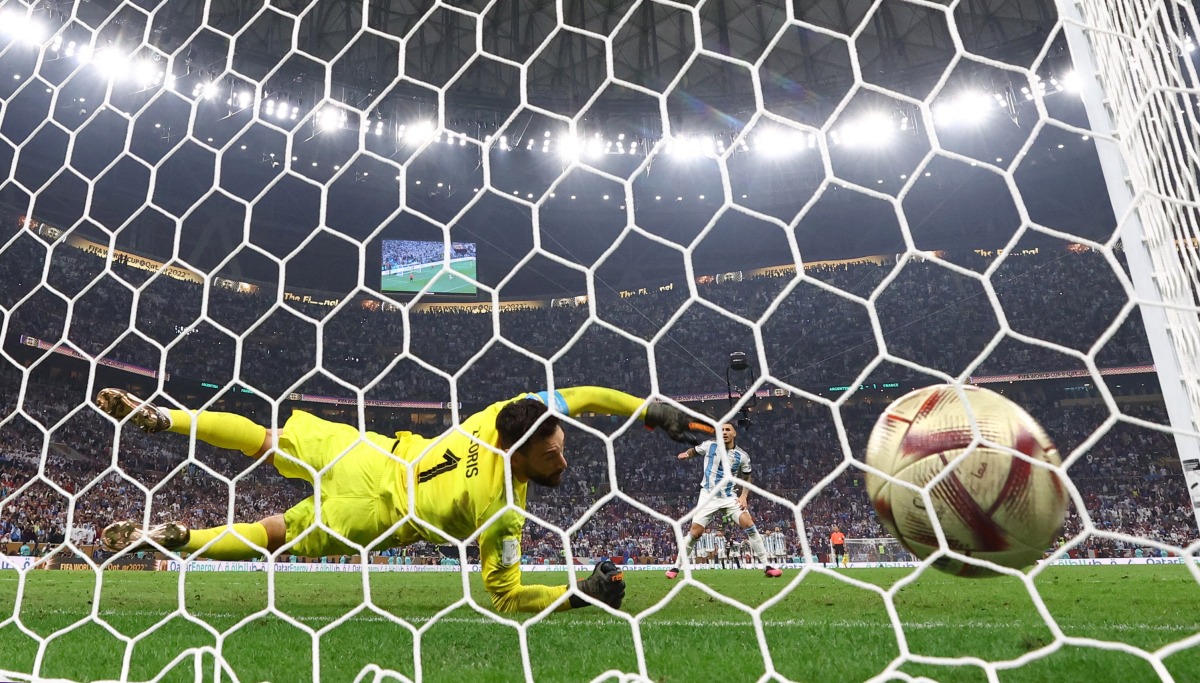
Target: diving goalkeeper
pixel 458 484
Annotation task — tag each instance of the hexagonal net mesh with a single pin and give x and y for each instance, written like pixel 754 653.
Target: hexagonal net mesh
pixel 391 215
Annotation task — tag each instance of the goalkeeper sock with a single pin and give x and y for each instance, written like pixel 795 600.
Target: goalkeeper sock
pixel 228 547
pixel 756 544
pixel 223 430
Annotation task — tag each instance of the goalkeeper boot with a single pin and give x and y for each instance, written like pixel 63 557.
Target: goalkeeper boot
pixel 121 535
pixel 772 572
pixel 119 403
pixel 672 572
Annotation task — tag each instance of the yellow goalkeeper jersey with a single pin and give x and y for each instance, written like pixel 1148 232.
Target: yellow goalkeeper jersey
pixel 458 486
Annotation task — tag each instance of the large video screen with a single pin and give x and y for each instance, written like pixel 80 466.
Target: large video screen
pixel 408 265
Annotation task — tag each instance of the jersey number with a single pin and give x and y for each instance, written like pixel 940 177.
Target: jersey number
pixel 449 463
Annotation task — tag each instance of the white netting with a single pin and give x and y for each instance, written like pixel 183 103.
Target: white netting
pixel 876 550
pixel 196 194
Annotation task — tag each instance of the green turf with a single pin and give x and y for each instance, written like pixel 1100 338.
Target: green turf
pixel 442 283
pixel 824 630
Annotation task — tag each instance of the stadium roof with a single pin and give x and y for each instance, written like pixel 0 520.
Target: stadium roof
pixel 269 104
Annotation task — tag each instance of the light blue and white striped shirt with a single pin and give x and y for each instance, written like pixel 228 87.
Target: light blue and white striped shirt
pixel 715 481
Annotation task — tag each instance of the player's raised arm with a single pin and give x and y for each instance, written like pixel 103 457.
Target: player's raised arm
pixel 676 423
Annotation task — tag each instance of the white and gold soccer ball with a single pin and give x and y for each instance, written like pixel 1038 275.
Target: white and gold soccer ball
pixel 993 506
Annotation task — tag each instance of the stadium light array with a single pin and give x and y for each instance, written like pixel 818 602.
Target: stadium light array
pixel 782 142
pixel 971 107
pixel 569 147
pixel 147 73
pixel 418 133
pixel 110 63
pixel 206 89
pixel 281 110
pixel 17 25
pixel 872 130
pixel 1069 82
pixel 332 118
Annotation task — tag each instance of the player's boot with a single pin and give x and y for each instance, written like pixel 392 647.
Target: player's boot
pixel 120 403
pixel 121 535
pixel 672 572
pixel 772 572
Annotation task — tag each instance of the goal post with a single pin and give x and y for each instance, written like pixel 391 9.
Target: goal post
pixel 874 551
pixel 1140 89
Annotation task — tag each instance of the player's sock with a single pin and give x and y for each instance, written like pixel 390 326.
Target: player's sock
pixel 228 547
pixel 756 544
pixel 688 542
pixel 223 430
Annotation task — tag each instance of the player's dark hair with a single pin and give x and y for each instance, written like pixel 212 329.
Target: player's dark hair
pixel 518 417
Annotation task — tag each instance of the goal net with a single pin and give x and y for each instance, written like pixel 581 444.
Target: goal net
pixel 780 216
pixel 874 551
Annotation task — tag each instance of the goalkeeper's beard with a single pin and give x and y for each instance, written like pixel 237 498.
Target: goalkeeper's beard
pixel 550 480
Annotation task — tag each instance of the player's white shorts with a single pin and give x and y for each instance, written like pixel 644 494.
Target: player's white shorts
pixel 711 505
pixel 721 554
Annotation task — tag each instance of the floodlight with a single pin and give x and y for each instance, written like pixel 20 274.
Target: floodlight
pixel 870 130
pixel 420 132
pixel 147 73
pixel 21 26
pixel 970 107
pixel 568 147
pixel 109 63
pixel 1070 82
pixel 328 118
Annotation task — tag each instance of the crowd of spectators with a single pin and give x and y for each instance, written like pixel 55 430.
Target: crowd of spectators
pixel 815 333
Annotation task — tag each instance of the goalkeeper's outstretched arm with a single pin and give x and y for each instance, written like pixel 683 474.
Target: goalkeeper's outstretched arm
pixel 501 571
pixel 676 423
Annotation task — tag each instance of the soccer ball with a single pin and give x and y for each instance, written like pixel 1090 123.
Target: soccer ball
pixel 993 506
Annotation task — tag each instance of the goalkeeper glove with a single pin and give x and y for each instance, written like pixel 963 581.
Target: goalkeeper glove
pixel 606 584
pixel 677 424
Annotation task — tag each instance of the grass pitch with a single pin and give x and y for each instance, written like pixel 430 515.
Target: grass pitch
pixel 442 285
pixel 825 630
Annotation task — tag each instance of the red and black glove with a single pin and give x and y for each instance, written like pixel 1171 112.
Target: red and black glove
pixel 677 424
pixel 606 585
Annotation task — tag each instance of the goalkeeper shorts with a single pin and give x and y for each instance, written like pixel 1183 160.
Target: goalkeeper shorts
pixel 357 488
